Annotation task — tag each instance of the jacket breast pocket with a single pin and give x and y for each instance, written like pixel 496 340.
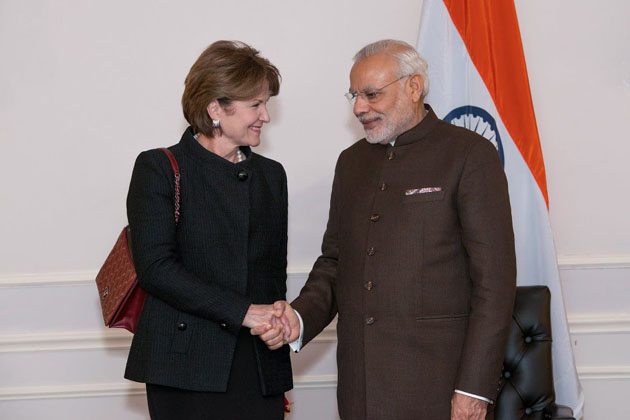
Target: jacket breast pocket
pixel 423 197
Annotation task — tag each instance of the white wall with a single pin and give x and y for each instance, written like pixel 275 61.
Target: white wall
pixel 86 85
pixel 579 67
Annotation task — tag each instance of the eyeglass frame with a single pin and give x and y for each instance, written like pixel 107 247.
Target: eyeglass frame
pixel 352 96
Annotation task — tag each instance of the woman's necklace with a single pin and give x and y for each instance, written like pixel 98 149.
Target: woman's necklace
pixel 240 156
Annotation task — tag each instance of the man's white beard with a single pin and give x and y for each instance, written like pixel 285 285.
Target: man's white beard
pixel 398 122
pixel 386 135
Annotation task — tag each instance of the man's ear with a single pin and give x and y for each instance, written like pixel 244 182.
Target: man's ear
pixel 213 110
pixel 416 84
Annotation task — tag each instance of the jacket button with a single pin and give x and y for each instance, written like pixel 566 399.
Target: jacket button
pixel 182 326
pixel 528 340
pixel 223 325
pixel 391 155
pixel 375 217
pixel 371 251
pixel 506 374
pixel 242 175
pixel 369 320
pixel 368 285
pixel 383 186
pixel 528 411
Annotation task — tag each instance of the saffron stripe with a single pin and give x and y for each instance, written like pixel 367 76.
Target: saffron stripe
pixel 491 34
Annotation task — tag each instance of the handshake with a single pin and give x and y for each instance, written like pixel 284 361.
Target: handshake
pixel 276 324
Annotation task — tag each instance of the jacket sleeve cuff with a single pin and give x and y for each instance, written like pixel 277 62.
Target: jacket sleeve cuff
pixel 296 345
pixel 468 394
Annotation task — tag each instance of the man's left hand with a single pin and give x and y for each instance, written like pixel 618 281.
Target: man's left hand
pixel 464 407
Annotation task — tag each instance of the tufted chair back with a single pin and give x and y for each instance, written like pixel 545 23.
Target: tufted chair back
pixel 527 390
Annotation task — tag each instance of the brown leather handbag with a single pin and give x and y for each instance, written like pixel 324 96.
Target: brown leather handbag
pixel 121 298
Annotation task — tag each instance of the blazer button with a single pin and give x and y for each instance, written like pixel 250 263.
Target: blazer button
pixel 368 285
pixel 369 320
pixel 223 325
pixel 383 186
pixel 371 251
pixel 242 175
pixel 182 326
pixel 391 155
pixel 375 217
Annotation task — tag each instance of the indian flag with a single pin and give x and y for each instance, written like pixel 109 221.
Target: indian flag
pixel 479 80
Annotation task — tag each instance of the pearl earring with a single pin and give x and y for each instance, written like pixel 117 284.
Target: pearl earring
pixel 215 123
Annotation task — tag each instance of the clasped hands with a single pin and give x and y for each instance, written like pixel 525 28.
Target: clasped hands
pixel 275 324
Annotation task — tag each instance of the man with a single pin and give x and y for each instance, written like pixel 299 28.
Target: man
pixel 417 258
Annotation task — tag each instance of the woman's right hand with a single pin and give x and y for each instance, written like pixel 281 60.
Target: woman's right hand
pixel 266 319
pixel 284 328
pixel 262 316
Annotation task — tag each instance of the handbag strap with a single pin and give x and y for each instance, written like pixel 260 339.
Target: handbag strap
pixel 175 167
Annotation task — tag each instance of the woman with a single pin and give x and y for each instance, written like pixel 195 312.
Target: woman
pixel 213 275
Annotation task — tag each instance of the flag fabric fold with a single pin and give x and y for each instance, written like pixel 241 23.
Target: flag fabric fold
pixel 479 80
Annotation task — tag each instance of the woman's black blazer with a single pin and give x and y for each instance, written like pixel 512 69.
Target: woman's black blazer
pixel 227 251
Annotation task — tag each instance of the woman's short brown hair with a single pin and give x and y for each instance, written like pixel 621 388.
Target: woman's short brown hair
pixel 225 71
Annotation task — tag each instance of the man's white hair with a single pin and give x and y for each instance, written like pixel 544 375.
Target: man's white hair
pixel 409 60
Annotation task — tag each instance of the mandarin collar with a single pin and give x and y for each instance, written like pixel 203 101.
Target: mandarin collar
pixel 201 153
pixel 419 131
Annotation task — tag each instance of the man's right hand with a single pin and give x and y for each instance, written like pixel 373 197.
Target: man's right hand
pixel 285 330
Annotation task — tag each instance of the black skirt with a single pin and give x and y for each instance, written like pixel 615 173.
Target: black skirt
pixel 243 399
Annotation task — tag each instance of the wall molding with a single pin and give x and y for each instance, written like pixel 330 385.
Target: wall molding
pixel 84 278
pixel 72 278
pixel 71 391
pixel 590 373
pixel 129 388
pixel 105 339
pixel 599 373
pixel 599 324
pixel 115 339
pixel 81 278
pixel 593 262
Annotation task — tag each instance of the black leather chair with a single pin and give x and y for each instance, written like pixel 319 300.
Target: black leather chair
pixel 526 386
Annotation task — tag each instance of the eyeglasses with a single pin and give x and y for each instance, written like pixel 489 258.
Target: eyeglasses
pixel 371 96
